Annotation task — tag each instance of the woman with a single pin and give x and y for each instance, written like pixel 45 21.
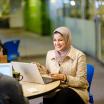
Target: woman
pixel 67 64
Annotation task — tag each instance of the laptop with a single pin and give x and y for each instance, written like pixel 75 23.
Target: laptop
pixel 6 69
pixel 30 72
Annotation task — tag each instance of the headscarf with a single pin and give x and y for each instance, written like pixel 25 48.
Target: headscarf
pixel 66 34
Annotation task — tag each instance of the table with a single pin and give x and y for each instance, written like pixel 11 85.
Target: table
pixel 34 90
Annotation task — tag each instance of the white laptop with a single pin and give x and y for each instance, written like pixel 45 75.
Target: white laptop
pixel 6 69
pixel 30 72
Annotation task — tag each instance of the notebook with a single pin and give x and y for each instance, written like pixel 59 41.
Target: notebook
pixel 6 69
pixel 30 72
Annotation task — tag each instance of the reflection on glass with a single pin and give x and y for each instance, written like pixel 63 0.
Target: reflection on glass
pixel 4 8
pixel 72 8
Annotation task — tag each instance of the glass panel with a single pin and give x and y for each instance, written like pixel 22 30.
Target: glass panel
pixel 102 41
pixel 72 8
pixel 100 13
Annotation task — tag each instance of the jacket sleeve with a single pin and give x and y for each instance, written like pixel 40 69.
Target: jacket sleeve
pixel 80 79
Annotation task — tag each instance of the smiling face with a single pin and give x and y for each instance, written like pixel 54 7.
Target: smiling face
pixel 59 42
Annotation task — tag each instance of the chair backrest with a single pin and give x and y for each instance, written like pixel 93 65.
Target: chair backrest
pixel 90 73
pixel 12 48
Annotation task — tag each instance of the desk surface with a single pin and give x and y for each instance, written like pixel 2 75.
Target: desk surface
pixel 33 90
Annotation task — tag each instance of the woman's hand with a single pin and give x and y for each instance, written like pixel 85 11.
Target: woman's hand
pixel 59 77
pixel 42 69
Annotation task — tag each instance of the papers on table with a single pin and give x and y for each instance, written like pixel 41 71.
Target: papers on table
pixel 32 90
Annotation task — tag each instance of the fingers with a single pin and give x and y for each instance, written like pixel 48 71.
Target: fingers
pixel 57 76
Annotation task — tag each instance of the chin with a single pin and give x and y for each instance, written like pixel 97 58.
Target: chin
pixel 58 49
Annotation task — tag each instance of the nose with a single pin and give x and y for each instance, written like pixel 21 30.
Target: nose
pixel 57 42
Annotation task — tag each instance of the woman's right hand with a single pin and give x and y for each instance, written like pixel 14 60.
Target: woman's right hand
pixel 42 69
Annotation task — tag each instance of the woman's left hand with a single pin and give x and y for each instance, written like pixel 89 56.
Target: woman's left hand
pixel 58 76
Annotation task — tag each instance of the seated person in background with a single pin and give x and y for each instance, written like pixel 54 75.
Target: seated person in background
pixel 11 91
pixel 3 54
pixel 67 64
pixel 4 51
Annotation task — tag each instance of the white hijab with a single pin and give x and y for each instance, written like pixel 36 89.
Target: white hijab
pixel 66 34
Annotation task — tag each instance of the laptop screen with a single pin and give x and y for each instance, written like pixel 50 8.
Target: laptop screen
pixel 6 69
pixel 29 72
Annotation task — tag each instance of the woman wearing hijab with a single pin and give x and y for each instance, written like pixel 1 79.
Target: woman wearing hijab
pixel 67 64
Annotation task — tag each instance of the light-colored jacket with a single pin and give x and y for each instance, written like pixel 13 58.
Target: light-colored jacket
pixel 74 66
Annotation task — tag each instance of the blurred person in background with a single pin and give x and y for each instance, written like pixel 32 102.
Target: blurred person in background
pixel 3 51
pixel 3 54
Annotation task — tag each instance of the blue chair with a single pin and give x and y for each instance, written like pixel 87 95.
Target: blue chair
pixel 12 48
pixel 90 73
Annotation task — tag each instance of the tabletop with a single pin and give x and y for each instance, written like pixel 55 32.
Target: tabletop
pixel 33 90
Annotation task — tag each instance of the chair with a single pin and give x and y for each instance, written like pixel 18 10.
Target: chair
pixel 90 73
pixel 12 48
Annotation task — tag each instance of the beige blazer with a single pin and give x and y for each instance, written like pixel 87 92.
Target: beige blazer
pixel 74 66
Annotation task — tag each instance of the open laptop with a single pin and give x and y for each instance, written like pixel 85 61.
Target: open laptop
pixel 30 72
pixel 6 69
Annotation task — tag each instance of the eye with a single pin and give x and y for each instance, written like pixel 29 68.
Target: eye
pixel 60 39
